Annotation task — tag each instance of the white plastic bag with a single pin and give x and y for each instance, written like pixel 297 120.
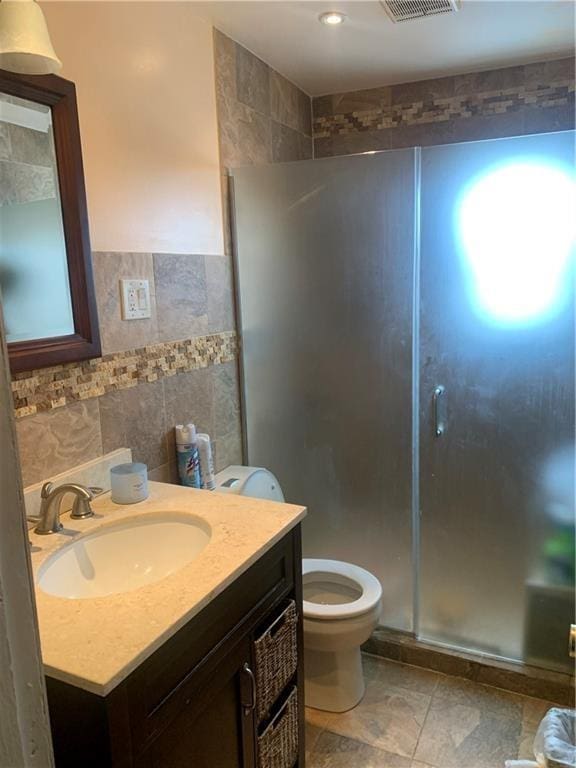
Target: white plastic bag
pixel 521 764
pixel 555 742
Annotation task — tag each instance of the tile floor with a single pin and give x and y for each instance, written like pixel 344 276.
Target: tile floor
pixel 415 718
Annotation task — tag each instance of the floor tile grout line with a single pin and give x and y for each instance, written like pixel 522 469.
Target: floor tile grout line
pixel 401 663
pixel 428 708
pixel 444 675
pixel 568 682
pixel 517 720
pixel 322 732
pixel 411 690
pixel 459 677
pixel 362 743
pixel 435 696
pixel 321 729
pixel 393 688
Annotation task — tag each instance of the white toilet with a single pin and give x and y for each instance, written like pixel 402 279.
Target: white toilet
pixel 341 608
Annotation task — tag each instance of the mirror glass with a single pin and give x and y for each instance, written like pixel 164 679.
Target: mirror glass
pixel 33 263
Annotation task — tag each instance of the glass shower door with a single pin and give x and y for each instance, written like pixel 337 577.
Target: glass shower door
pixel 497 397
pixel 325 255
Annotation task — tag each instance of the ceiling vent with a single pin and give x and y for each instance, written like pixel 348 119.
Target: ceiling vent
pixel 405 10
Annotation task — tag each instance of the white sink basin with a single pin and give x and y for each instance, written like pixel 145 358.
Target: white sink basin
pixel 124 556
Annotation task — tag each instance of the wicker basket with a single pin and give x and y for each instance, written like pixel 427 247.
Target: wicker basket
pixel 276 657
pixel 278 745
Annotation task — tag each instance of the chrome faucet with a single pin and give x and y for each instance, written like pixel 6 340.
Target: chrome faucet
pixel 51 502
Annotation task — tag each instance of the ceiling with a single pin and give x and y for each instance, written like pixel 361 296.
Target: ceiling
pixel 370 50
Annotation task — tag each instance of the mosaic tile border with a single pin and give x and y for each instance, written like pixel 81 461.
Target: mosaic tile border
pixel 442 109
pixel 48 388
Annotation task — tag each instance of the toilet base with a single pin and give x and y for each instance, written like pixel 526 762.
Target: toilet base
pixel 334 681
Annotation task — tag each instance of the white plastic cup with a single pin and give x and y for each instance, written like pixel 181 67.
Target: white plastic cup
pixel 129 483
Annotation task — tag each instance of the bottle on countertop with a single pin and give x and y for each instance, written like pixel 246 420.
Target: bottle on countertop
pixel 188 455
pixel 206 462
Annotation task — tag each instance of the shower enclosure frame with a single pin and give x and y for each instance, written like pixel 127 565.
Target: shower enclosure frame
pixel 414 626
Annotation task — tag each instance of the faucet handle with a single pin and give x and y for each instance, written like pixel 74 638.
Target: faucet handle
pixel 81 507
pixel 47 489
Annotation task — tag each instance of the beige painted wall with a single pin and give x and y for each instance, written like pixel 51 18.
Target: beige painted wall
pixel 144 75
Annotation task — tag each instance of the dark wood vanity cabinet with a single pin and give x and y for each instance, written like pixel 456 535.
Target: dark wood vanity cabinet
pixel 194 702
pixel 213 729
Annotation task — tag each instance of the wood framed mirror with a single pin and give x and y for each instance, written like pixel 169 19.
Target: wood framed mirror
pixel 46 280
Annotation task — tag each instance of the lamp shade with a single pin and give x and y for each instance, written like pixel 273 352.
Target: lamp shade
pixel 25 45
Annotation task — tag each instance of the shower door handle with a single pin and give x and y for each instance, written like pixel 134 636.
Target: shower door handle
pixel 439 405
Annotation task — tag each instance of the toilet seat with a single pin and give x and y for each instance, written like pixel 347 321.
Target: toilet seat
pixel 365 582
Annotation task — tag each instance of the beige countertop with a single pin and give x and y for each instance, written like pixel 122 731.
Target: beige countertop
pixel 95 643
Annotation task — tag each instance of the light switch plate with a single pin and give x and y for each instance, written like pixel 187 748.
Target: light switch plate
pixel 135 299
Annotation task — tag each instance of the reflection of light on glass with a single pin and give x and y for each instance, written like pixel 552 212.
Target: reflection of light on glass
pixel 517 228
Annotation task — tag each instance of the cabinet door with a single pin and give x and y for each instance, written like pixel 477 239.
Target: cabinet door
pixel 215 728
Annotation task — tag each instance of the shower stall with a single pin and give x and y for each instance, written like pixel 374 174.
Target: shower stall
pixel 407 363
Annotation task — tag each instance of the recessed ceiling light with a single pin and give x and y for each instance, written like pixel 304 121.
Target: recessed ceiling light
pixel 332 18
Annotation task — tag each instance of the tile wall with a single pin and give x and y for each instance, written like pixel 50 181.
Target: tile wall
pixel 182 362
pixel 262 117
pixel 178 365
pixel 513 101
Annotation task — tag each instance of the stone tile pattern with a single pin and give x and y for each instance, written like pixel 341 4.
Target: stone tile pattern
pixel 141 397
pixel 57 386
pixel 262 116
pixel 512 676
pixel 27 168
pixel 190 295
pixel 504 102
pixel 51 442
pixel 413 718
pixel 178 365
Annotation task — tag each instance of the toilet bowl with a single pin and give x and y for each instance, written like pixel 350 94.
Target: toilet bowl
pixel 341 606
pixel 341 610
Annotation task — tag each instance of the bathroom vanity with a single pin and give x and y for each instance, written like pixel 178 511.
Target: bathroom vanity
pixel 203 667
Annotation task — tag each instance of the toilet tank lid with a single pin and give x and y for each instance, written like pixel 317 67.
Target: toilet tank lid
pixel 257 482
pixel 234 476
